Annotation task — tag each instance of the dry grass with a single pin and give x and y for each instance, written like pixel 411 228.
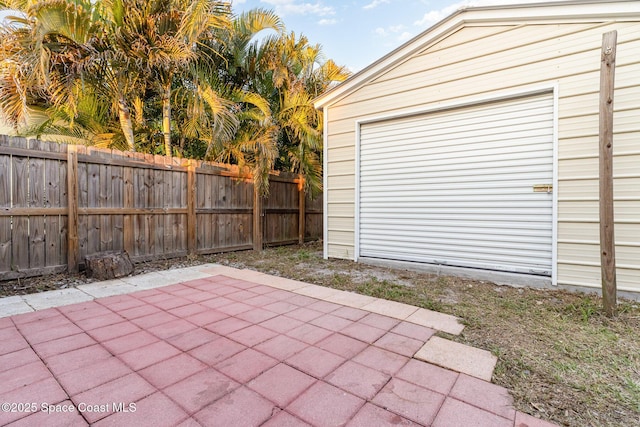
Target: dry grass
pixel 562 359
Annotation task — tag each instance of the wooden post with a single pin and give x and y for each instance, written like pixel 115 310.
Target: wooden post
pixel 257 219
pixel 301 210
pixel 192 243
pixel 607 237
pixel 73 250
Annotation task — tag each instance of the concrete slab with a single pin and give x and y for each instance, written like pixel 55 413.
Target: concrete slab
pixel 150 280
pixel 6 301
pixel 249 275
pixel 56 298
pixel 315 291
pixel 394 309
pixel 282 283
pixel 458 357
pixel 200 267
pixel 107 288
pixel 180 275
pixel 526 420
pixel 440 321
pixel 217 269
pixel 350 299
pixel 13 305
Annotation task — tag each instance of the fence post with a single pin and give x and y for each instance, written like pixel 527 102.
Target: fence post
pixel 607 238
pixel 257 219
pixel 302 215
pixel 191 209
pixel 73 253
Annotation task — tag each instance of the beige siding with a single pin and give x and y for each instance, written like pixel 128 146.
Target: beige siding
pixel 481 62
pixel 461 37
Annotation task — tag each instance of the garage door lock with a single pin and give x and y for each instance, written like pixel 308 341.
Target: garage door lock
pixel 543 188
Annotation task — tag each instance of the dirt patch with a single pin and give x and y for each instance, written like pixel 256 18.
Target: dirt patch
pixel 562 359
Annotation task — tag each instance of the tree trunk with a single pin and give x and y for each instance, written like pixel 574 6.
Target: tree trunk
pixel 125 123
pixel 166 119
pixel 108 265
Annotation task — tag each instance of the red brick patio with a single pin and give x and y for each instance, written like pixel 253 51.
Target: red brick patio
pixel 222 351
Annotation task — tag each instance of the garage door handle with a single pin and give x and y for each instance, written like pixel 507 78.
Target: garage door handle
pixel 543 188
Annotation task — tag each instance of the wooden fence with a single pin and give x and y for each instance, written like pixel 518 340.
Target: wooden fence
pixel 60 203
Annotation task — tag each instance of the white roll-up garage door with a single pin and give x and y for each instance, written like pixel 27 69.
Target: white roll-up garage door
pixel 456 187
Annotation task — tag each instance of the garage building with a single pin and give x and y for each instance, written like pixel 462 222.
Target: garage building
pixel 473 148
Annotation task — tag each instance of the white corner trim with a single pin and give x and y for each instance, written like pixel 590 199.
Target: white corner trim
pixel 325 181
pixel 554 214
pixel 356 239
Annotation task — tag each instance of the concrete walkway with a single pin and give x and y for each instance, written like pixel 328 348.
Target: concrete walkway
pixel 216 346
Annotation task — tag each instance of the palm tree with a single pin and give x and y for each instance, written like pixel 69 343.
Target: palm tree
pixel 240 46
pixel 291 72
pixel 58 51
pixel 238 50
pixel 54 54
pixel 42 51
pixel 164 37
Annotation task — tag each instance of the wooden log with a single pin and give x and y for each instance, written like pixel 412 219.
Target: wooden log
pixel 108 265
pixel 607 237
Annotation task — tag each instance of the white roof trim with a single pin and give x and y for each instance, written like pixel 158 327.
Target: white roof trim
pixel 566 11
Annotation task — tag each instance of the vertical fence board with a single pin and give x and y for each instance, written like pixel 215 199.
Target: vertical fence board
pixel 20 232
pixel 106 201
pixel 53 189
pixel 167 220
pixel 201 219
pixel 214 220
pixel 139 197
pixel 64 203
pixel 149 202
pixel 117 201
pixel 5 202
pixel 258 231
pixel 93 199
pixel 128 224
pixel 158 198
pixel 36 200
pixel 192 244
pixel 83 203
pixel 73 220
pixel 234 238
pixel 313 218
pixel 177 191
pixel 217 239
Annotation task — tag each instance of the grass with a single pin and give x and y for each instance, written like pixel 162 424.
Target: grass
pixel 560 357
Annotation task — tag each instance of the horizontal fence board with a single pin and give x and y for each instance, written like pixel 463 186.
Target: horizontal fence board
pixel 135 202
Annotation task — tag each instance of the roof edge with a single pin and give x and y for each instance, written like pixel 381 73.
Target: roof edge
pixel 540 11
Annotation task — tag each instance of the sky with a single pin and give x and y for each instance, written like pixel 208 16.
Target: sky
pixel 355 33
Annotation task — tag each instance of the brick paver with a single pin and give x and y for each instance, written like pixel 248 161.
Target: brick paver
pixel 225 351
